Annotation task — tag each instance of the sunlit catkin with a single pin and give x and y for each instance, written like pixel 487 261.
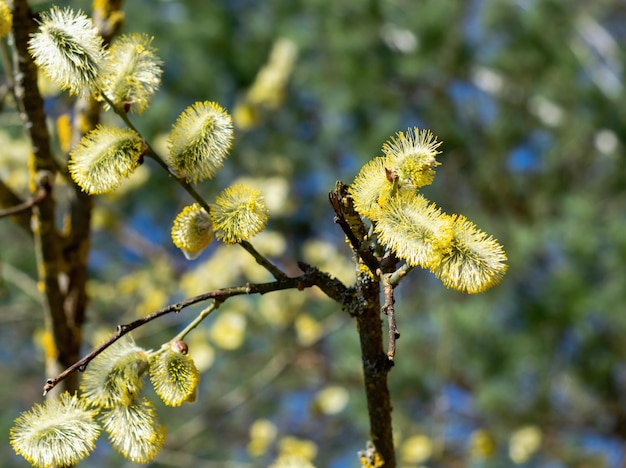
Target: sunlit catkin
pixel 68 49
pixel 475 261
pixel 56 433
pixel 174 376
pixel 104 157
pixel 371 189
pixel 134 430
pixel 414 229
pixel 239 213
pixel 115 377
pixel 410 157
pixel 132 73
pixel 199 141
pixel 192 231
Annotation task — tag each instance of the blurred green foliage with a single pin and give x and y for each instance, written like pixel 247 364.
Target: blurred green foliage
pixel 528 99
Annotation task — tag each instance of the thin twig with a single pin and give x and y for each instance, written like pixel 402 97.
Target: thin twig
pixel 276 272
pixel 349 221
pixel 195 322
pixel 309 278
pixel 26 205
pixel 389 310
pixel 395 277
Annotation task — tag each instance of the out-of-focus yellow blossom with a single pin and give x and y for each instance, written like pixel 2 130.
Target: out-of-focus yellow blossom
pixel 262 433
pixel 6 19
pixel 332 399
pixel 416 449
pixel 228 330
pixel 524 443
pixel 308 329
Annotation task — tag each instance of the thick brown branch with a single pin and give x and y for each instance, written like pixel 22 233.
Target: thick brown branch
pixel 376 366
pixel 46 236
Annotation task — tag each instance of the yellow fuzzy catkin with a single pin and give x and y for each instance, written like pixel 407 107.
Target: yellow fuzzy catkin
pixel 239 213
pixel 192 231
pixel 475 261
pixel 200 141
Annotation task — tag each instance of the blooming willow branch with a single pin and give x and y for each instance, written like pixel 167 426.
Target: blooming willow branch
pixel 415 230
pixel 311 276
pixel 385 218
pixel 125 78
pixel 192 247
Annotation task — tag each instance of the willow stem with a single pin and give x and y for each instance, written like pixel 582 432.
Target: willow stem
pixel 195 322
pixel 395 278
pixel 260 259
pixel 264 262
pixel 154 155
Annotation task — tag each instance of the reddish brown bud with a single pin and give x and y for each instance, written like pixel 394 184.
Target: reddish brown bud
pixel 180 347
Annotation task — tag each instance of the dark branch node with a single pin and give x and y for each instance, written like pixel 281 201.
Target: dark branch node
pixel 378 367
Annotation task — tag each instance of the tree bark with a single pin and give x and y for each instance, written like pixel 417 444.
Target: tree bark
pixel 365 306
pixel 43 171
pixel 376 366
